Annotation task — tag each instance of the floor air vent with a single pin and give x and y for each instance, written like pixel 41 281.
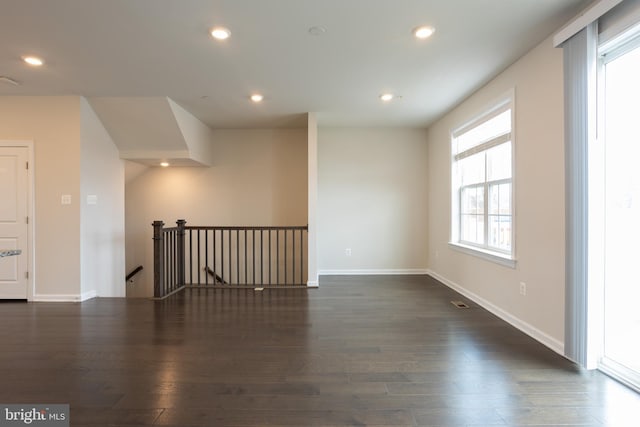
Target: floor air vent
pixel 459 304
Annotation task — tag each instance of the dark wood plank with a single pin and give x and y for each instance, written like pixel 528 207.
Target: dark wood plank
pixel 376 351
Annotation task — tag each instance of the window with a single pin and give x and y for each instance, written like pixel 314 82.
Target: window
pixel 482 187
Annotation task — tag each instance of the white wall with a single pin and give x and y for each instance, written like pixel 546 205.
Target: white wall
pixel 53 124
pixel 372 198
pixel 197 135
pixel 312 199
pixel 78 248
pixel 258 177
pixel 539 202
pixel 102 224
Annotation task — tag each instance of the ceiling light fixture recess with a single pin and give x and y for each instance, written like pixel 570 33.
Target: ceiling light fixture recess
pixel 386 97
pixel 256 97
pixel 423 32
pixel 220 33
pixel 317 30
pixel 164 164
pixel 33 60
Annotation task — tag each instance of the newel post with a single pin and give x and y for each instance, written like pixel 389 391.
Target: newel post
pixel 180 270
pixel 158 259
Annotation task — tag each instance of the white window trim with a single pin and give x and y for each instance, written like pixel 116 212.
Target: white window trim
pixel 611 47
pixel 496 257
pixel 507 259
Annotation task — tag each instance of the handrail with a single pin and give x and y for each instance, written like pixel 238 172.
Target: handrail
pixel 216 276
pixel 243 227
pixel 137 270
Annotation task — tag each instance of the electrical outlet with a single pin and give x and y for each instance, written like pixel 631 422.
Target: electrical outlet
pixel 347 251
pixel 523 288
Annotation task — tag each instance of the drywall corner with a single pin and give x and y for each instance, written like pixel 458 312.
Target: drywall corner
pixel 197 135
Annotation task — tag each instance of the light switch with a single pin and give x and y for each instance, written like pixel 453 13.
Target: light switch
pixel 92 199
pixel 66 199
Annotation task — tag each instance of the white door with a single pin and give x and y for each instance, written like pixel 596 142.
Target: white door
pixel 622 217
pixel 14 221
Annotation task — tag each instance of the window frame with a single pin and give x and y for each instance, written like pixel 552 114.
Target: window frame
pixel 611 46
pixel 483 250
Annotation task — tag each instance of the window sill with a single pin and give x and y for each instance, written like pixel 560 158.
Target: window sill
pixel 496 257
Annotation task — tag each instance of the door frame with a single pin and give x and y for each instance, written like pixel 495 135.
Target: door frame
pixel 607 52
pixel 29 145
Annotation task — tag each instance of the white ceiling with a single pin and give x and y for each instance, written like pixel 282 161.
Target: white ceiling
pixel 141 48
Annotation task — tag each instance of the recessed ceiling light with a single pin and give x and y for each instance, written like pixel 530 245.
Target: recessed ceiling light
pixel 317 31
pixel 423 32
pixel 386 97
pixel 33 60
pixel 220 33
pixel 256 97
pixel 164 164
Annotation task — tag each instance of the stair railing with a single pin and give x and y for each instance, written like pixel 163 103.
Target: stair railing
pixel 228 257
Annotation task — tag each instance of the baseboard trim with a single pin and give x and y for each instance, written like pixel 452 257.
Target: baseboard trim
pixel 523 326
pixel 312 284
pixel 65 298
pixel 374 272
pixel 88 295
pixel 621 373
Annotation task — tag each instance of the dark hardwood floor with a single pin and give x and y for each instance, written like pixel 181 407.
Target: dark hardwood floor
pixel 375 351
